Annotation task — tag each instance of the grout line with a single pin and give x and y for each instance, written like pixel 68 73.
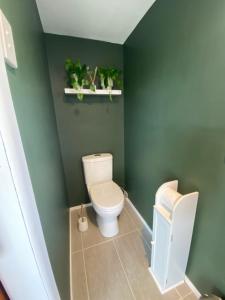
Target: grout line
pixel 139 231
pixel 85 270
pixel 76 251
pixel 131 218
pixel 124 234
pixel 109 240
pixel 137 213
pixel 142 236
pixel 178 293
pixel 98 244
pixel 139 228
pixel 190 293
pixel 183 296
pixel 128 282
pixel 129 214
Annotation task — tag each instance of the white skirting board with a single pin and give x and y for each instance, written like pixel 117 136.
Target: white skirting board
pixel 158 286
pixel 187 280
pixel 139 216
pixel 192 287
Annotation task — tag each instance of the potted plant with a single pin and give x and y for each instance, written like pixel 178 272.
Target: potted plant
pixel 92 77
pixel 80 76
pixel 109 77
pixel 77 75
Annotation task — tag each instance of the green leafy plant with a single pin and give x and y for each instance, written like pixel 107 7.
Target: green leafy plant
pixel 92 77
pixel 102 73
pixel 77 76
pixel 80 76
pixel 110 77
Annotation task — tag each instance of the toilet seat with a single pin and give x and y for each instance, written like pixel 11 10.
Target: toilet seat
pixel 106 196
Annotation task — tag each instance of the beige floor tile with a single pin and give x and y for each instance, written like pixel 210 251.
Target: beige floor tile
pixel 147 236
pixel 156 295
pixel 183 290
pixel 172 295
pixel 190 297
pixel 133 215
pixel 92 236
pixel 76 243
pixel 126 224
pixel 106 278
pixel 133 255
pixel 78 277
pixel 135 258
pixel 145 233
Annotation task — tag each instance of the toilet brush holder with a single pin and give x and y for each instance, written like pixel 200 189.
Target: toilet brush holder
pixel 83 224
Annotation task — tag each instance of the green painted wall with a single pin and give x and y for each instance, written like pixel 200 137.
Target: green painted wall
pixel 96 125
pixel 175 120
pixel 33 104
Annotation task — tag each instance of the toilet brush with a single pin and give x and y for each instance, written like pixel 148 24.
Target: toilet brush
pixel 81 210
pixel 82 221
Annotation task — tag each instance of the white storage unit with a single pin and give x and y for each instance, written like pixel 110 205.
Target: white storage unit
pixel 173 222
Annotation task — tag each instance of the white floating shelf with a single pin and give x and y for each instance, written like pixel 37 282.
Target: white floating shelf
pixel 69 91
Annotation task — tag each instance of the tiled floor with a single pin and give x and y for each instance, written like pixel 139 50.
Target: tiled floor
pixel 115 268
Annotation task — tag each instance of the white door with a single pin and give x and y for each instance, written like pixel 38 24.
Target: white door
pixel 25 268
pixel 18 269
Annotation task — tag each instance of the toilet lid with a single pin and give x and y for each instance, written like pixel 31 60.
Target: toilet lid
pixel 106 195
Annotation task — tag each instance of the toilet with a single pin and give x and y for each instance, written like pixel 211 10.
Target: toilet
pixel 106 196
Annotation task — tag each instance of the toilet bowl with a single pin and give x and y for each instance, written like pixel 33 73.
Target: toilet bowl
pixel 108 201
pixel 106 196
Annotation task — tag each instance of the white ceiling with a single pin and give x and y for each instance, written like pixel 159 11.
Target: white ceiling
pixel 103 20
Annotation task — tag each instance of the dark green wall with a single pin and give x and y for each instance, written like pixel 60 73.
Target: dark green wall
pixel 175 120
pixel 96 124
pixel 33 104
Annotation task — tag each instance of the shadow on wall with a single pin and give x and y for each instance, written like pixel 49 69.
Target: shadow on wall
pixel 203 170
pixel 91 100
pixel 194 156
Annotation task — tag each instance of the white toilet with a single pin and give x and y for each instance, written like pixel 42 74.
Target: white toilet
pixel 106 196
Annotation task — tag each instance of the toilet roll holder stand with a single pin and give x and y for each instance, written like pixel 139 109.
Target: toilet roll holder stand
pixel 173 222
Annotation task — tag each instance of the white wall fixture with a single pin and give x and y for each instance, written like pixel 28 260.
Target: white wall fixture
pixel 173 223
pixel 100 92
pixel 7 41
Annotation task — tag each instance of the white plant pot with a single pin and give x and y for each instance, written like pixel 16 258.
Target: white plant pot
pixel 83 224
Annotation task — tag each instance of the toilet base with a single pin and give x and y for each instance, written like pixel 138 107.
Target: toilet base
pixel 108 226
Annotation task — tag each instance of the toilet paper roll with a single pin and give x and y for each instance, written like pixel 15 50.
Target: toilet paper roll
pixel 168 198
pixel 83 224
